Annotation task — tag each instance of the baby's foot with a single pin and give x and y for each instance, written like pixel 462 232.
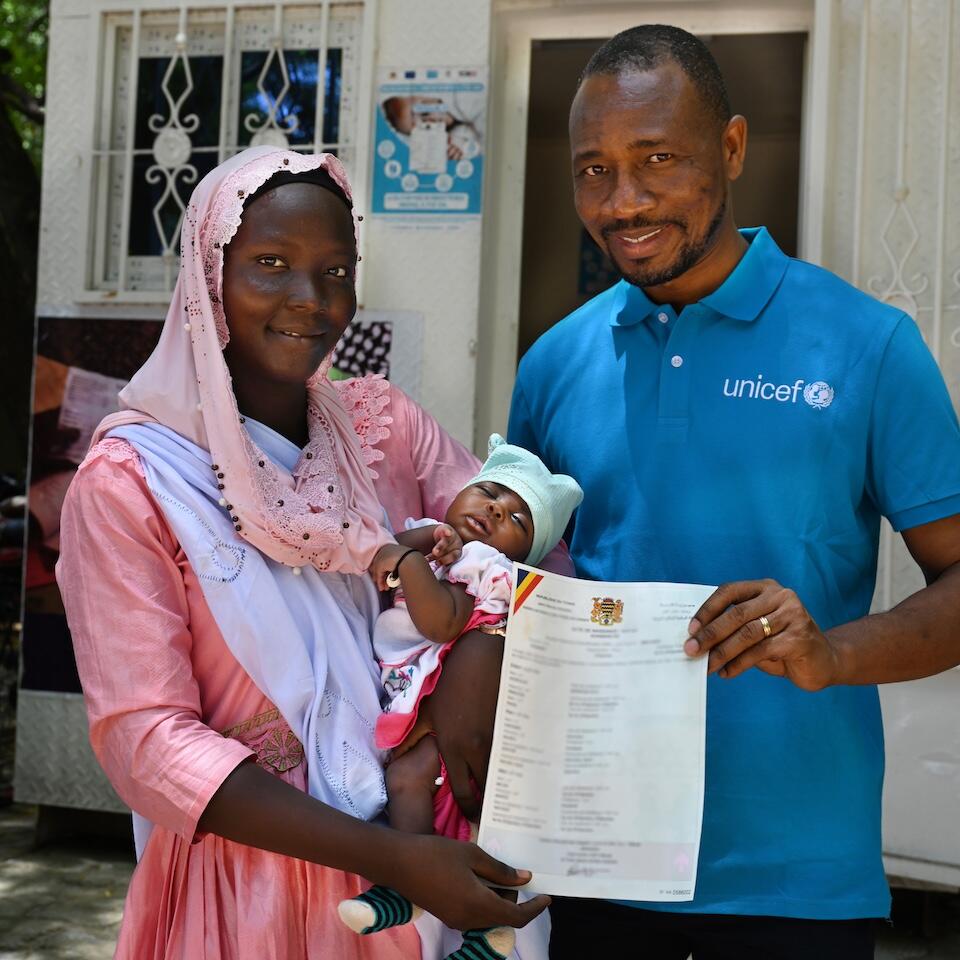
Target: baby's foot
pixel 494 943
pixel 377 909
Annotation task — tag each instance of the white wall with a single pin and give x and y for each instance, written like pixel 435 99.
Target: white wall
pixel 433 270
pixel 66 144
pixel 892 223
pixel 892 227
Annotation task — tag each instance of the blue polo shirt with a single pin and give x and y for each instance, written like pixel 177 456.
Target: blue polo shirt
pixel 762 432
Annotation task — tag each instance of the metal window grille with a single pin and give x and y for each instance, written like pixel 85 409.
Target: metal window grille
pixel 180 90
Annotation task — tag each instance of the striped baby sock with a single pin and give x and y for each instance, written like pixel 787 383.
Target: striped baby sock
pixel 494 943
pixel 377 909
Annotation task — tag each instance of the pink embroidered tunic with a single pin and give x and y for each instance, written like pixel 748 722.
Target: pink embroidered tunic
pixel 172 713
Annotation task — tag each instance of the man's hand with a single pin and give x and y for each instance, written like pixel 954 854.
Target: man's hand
pixel 462 709
pixel 448 546
pixel 759 623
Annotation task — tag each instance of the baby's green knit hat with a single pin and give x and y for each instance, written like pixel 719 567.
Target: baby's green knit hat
pixel 551 497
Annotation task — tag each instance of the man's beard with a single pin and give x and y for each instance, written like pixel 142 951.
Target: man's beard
pixel 689 254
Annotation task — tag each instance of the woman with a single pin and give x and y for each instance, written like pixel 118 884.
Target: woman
pixel 229 506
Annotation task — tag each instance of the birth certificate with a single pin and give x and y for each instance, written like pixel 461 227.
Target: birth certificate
pixel 596 773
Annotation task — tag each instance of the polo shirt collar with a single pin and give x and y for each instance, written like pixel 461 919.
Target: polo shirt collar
pixel 742 296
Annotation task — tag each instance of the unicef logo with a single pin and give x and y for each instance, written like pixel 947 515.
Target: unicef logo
pixel 818 395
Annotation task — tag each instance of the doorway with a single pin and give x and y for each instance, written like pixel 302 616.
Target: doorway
pixel 561 266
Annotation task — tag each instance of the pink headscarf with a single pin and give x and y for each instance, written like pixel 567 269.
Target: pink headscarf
pixel 325 512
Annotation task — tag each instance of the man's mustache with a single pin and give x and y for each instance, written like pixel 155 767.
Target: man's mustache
pixel 636 223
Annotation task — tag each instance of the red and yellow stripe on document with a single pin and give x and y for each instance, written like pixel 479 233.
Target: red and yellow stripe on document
pixel 527 581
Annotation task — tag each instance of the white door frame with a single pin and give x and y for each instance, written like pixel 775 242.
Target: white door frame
pixel 515 25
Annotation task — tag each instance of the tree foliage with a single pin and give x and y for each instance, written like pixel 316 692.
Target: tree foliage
pixel 23 62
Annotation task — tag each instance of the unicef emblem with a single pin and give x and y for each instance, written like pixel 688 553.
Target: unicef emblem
pixel 819 395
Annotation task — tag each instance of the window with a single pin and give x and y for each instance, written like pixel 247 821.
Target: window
pixel 182 90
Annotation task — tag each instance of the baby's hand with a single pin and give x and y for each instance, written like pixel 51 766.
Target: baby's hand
pixel 448 546
pixel 384 563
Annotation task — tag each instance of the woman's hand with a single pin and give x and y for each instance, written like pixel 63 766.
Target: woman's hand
pixel 447 878
pixel 447 545
pixel 443 876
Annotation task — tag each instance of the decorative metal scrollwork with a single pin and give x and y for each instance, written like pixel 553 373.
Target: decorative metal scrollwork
pixel 172 148
pixel 188 85
pixel 267 131
pixel 898 290
pixel 157 174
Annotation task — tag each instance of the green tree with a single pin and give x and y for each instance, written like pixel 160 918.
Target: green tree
pixel 23 62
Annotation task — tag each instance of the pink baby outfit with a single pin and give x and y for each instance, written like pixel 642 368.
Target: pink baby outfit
pixel 162 690
pixel 410 664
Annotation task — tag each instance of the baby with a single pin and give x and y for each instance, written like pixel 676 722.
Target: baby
pixel 514 509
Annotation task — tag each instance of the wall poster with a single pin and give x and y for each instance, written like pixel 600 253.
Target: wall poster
pixel 428 142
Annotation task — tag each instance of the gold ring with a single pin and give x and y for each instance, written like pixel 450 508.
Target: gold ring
pixel 765 623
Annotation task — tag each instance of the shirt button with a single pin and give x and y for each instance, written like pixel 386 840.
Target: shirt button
pixel 663 318
pixel 677 361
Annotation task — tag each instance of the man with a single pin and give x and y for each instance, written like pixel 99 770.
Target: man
pixel 738 417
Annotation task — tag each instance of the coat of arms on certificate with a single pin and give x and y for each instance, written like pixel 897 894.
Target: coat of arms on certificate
pixel 606 611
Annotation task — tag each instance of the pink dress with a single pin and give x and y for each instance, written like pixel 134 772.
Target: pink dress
pixel 172 713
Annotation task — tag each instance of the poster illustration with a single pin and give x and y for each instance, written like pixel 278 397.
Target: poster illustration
pixel 429 140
